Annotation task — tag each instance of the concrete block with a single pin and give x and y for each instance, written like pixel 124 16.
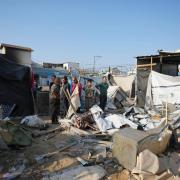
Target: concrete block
pixel 128 143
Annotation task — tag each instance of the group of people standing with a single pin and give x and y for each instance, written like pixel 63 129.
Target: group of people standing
pixel 66 97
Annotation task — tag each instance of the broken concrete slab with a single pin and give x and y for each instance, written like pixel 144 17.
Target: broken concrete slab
pixel 78 173
pixel 148 162
pixel 130 142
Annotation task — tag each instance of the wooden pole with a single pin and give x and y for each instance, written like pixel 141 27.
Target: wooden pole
pixel 151 62
pixel 160 64
pixel 166 113
pixel 69 99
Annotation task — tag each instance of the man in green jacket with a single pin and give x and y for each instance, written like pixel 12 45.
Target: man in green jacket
pixel 103 87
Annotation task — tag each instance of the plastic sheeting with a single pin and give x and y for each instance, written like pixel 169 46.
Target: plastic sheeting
pixel 162 88
pixel 102 124
pixel 15 87
pixel 111 121
pixel 119 120
pixel 33 121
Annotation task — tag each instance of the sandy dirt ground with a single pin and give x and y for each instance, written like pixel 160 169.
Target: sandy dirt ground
pixel 58 162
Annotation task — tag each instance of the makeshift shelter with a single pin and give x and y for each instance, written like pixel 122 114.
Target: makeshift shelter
pixel 164 63
pixel 15 83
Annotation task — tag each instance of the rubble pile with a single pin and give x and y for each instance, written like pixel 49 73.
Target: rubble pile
pixel 129 143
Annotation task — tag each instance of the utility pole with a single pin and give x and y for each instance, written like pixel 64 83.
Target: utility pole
pixel 94 64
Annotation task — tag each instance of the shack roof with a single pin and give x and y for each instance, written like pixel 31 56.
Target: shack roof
pixel 15 47
pixel 161 54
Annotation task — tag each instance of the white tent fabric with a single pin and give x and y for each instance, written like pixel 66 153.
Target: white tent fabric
pixel 162 88
pixel 75 100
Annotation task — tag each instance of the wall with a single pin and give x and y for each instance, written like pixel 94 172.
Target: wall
pixel 170 69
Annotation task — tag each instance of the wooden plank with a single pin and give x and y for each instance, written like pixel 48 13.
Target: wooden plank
pixel 146 65
pixel 40 157
pixel 41 133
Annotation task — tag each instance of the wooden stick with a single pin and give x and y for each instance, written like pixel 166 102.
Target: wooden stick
pixel 58 151
pixel 47 132
pixel 93 128
pixel 166 113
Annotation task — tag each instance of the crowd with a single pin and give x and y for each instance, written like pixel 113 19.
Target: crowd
pixel 66 96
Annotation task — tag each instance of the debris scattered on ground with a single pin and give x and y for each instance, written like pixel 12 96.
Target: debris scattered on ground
pixel 79 173
pixel 39 158
pixel 122 142
pixel 82 161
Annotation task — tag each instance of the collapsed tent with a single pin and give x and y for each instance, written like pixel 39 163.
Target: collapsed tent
pixel 117 98
pixel 162 89
pixel 15 87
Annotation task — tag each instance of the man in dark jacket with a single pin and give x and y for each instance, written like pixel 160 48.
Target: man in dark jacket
pixel 65 92
pixel 55 101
